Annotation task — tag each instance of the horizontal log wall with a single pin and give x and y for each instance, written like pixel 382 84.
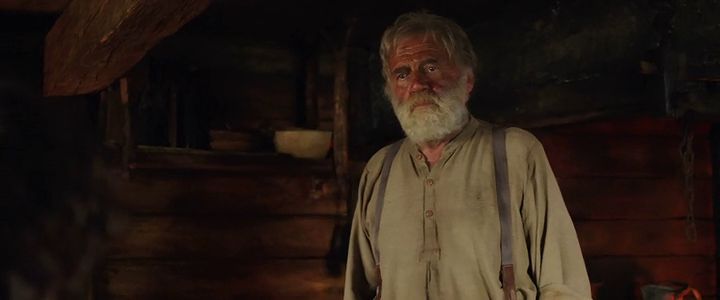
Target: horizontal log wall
pixel 221 279
pixel 204 234
pixel 623 184
pixel 230 233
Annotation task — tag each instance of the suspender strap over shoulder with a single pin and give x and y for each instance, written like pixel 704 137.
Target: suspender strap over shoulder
pixel 380 201
pixel 384 173
pixel 502 187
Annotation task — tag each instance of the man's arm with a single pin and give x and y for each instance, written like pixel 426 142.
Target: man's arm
pixel 360 274
pixel 556 259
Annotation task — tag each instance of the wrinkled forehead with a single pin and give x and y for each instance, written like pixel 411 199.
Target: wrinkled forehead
pixel 416 38
pixel 416 46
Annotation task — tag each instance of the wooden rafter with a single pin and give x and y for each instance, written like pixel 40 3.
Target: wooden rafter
pixel 95 42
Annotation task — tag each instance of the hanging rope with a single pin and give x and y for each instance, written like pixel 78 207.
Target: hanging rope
pixel 688 160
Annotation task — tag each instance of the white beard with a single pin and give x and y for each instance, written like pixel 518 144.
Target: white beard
pixel 432 123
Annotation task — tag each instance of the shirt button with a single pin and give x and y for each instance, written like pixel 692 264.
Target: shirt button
pixel 419 156
pixel 429 182
pixel 429 213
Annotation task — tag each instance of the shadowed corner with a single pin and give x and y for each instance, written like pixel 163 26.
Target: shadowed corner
pixel 54 212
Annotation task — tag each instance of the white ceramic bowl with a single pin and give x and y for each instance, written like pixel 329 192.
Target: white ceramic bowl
pixel 303 143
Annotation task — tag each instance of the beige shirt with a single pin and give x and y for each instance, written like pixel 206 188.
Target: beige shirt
pixel 440 230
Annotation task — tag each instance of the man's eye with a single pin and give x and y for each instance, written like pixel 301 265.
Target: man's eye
pixel 401 76
pixel 431 68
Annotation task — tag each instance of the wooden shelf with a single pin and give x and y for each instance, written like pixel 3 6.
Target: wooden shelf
pixel 147 158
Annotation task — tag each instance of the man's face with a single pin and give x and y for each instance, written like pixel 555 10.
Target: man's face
pixel 427 90
pixel 421 64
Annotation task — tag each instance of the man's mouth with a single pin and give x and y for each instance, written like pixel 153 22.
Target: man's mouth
pixel 422 104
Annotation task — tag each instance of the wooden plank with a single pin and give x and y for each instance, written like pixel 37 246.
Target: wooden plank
pixel 224 237
pixel 219 280
pixel 635 126
pixel 238 195
pixel 115 117
pixel 216 162
pixel 621 156
pixel 94 42
pixel 340 120
pixel 621 277
pixel 602 198
pixel 129 147
pixel 603 238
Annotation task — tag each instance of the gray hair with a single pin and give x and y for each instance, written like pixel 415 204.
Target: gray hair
pixel 454 39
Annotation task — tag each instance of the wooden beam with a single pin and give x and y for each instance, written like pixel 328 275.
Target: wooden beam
pixel 128 154
pixel 95 42
pixel 219 279
pixel 340 120
pixel 644 238
pixel 621 156
pixel 229 194
pixel 169 160
pixel 598 198
pixel 223 237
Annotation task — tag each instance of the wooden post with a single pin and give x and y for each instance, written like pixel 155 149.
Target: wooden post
pixel 311 78
pixel 173 117
pixel 129 141
pixel 341 158
pixel 340 121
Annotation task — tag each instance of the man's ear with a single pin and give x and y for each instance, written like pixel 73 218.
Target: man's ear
pixel 470 82
pixel 388 92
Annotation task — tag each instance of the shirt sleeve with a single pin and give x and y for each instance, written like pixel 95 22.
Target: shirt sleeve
pixel 360 275
pixel 557 264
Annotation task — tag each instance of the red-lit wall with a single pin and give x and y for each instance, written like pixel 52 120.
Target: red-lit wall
pixel 623 183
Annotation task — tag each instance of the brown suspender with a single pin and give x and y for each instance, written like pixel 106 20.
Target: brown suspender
pixel 387 163
pixel 502 188
pixel 503 198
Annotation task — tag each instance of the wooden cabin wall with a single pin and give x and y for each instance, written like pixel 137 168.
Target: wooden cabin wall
pixel 623 184
pixel 246 85
pixel 227 231
pixel 225 235
pixel 251 230
pixel 235 234
pixel 223 225
pixel 197 234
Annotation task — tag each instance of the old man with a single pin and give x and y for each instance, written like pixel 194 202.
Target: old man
pixel 435 232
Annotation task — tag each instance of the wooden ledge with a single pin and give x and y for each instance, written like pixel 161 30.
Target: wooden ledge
pixel 147 158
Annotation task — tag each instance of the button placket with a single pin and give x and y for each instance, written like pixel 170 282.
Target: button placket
pixel 430 245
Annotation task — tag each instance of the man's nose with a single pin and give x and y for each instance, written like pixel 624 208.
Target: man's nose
pixel 419 82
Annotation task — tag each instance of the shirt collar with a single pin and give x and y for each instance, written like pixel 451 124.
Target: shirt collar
pixel 465 134
pixel 471 126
